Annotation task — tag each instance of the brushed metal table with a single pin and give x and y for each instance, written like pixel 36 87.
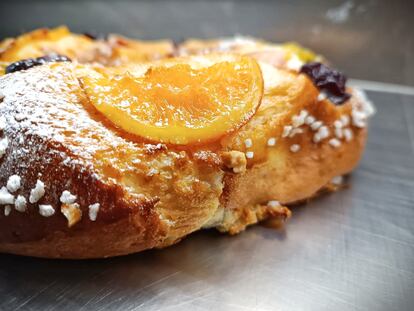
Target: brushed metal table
pixel 351 250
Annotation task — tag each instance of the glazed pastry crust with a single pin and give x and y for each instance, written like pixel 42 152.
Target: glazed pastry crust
pixel 153 195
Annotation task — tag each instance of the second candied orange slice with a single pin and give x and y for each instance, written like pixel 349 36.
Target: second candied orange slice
pixel 44 41
pixel 179 101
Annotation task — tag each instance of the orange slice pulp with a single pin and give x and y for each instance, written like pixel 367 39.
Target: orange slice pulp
pixel 179 101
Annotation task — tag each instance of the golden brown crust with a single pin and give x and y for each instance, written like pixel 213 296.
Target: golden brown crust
pixel 306 175
pixel 115 50
pixel 152 195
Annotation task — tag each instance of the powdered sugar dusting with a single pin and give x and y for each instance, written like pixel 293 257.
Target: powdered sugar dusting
pixel 53 112
pixel 58 131
pixel 48 109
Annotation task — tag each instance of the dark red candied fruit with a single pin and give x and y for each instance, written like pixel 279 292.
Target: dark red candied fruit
pixel 327 80
pixel 25 64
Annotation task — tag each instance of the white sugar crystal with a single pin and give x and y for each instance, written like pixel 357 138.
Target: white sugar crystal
pixel 322 96
pixel 323 132
pixel 348 134
pixel 93 211
pixel 344 120
pixel 309 120
pixel 67 197
pixel 250 154
pixel 316 125
pixel 20 203
pixel 37 192
pixel 337 180
pixel 299 119
pixel 286 130
pixel 295 148
pixel 273 203
pixel 303 113
pixel 13 184
pixel 334 142
pixel 295 131
pixel 6 197
pixel 358 118
pixel 339 132
pixel 46 210
pixel 4 143
pixel 271 142
pixel 338 124
pixel 248 143
pixel 7 210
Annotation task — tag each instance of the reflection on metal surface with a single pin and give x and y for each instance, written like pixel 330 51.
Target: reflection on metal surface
pixel 341 13
pixel 382 87
pixel 351 250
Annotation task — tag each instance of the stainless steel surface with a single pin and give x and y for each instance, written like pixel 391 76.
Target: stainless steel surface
pixel 351 250
pixel 368 39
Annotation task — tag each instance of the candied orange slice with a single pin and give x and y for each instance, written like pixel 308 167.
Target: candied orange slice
pixel 180 101
pixel 126 51
pixel 45 41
